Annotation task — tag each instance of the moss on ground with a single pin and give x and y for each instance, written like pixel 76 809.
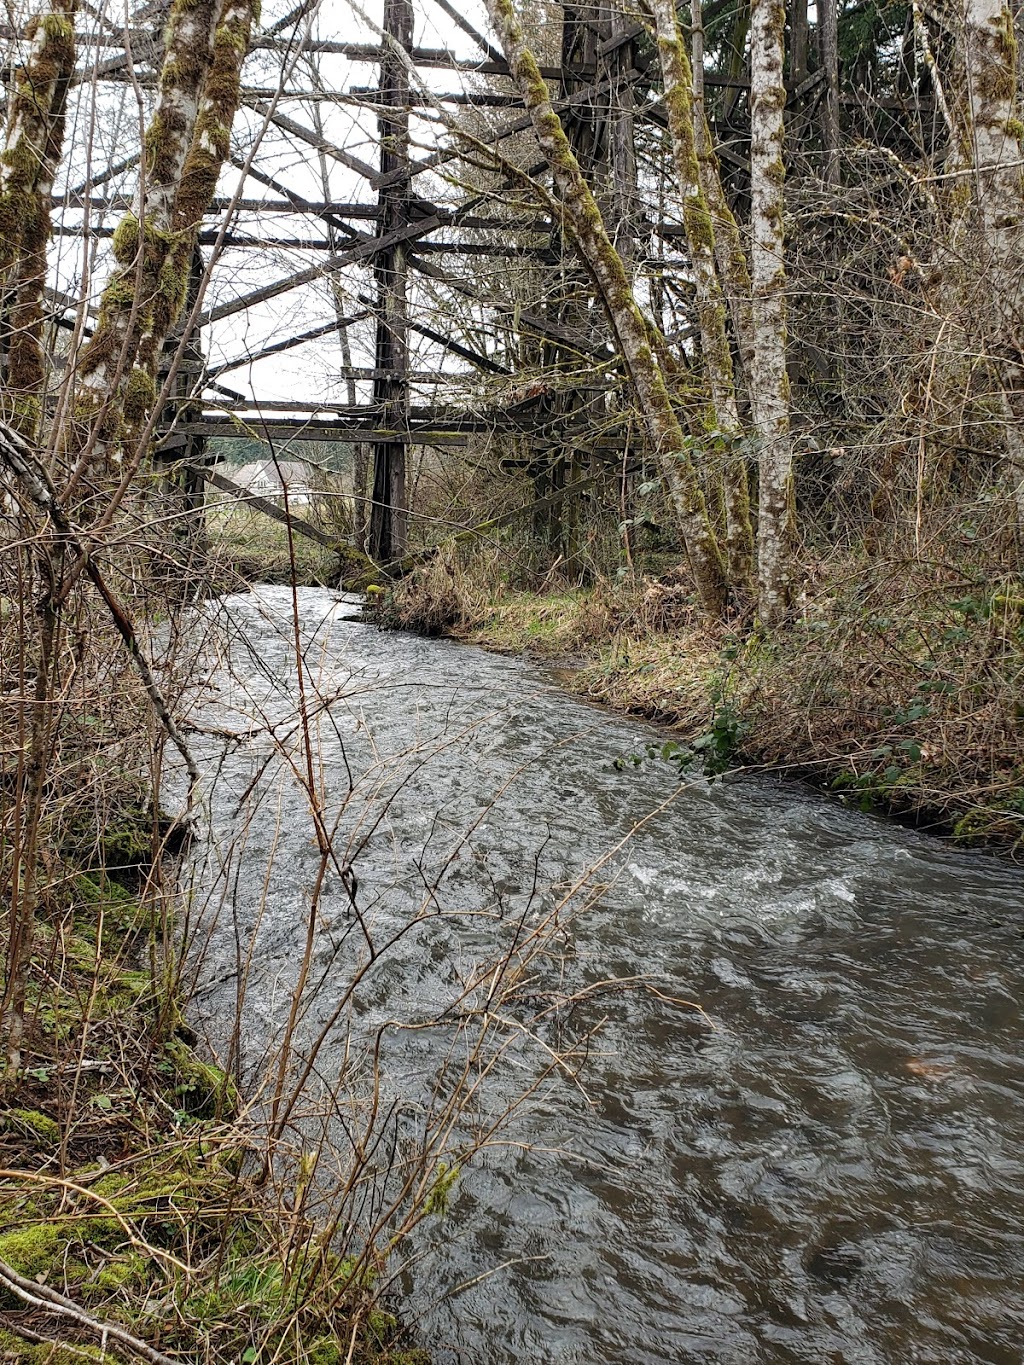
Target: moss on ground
pixel 131 1187
pixel 30 1123
pixel 15 1350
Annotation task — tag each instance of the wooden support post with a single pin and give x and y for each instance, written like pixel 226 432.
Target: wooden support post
pixel 621 57
pixel 183 482
pixel 389 512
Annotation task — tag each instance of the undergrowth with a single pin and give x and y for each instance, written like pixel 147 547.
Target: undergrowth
pixel 133 1196
pixel 128 1180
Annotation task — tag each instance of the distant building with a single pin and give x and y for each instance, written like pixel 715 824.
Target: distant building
pixel 268 480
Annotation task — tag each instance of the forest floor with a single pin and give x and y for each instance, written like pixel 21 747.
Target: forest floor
pixel 898 687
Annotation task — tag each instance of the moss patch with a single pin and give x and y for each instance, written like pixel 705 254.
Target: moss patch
pixel 31 1123
pixel 156 1175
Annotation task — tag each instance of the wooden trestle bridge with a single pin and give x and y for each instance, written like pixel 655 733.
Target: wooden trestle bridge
pixel 402 240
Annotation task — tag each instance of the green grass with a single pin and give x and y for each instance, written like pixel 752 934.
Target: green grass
pixel 248 547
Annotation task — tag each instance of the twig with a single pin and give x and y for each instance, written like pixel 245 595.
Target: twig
pixel 17 456
pixel 19 1329
pixel 41 1296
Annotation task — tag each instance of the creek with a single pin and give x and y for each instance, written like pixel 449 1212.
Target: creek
pixel 826 1166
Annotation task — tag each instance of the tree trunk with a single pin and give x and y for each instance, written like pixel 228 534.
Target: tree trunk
pixel 185 145
pixel 583 218
pixel 769 383
pixel 33 145
pixel 994 136
pixel 360 493
pixel 700 237
pixel 32 151
pixel 828 36
pixel 622 142
pixel 992 140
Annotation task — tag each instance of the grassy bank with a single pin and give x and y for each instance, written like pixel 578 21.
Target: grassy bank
pixel 899 686
pixel 246 547
pixel 134 1223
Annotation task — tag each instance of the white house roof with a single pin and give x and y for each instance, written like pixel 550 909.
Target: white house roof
pixel 262 476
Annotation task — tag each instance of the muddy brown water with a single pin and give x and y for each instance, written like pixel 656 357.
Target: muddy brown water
pixel 832 1171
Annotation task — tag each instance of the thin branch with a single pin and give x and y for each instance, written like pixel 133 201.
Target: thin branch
pixel 48 1300
pixel 17 456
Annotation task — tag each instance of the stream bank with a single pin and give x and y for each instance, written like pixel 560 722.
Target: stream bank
pixel 900 696
pixel 133 1212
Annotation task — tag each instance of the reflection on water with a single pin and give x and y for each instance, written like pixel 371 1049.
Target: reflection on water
pixel 832 1172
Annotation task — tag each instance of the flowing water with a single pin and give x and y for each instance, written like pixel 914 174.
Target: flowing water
pixel 830 1167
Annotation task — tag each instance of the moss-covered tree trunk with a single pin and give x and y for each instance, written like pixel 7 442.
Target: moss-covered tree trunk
pixel 711 315
pixel 28 167
pixel 185 145
pixel 768 381
pixel 583 219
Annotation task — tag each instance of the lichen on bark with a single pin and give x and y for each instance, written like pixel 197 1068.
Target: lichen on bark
pixel 991 211
pixel 769 389
pixel 184 147
pixel 711 310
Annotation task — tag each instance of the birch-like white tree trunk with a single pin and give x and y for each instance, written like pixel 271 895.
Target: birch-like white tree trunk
pixel 991 52
pixel 769 386
pixel 583 218
pixel 711 313
pixel 994 144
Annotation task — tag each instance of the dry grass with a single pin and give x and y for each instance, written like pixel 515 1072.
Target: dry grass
pixel 899 684
pixel 246 547
pixel 466 595
pixel 900 688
